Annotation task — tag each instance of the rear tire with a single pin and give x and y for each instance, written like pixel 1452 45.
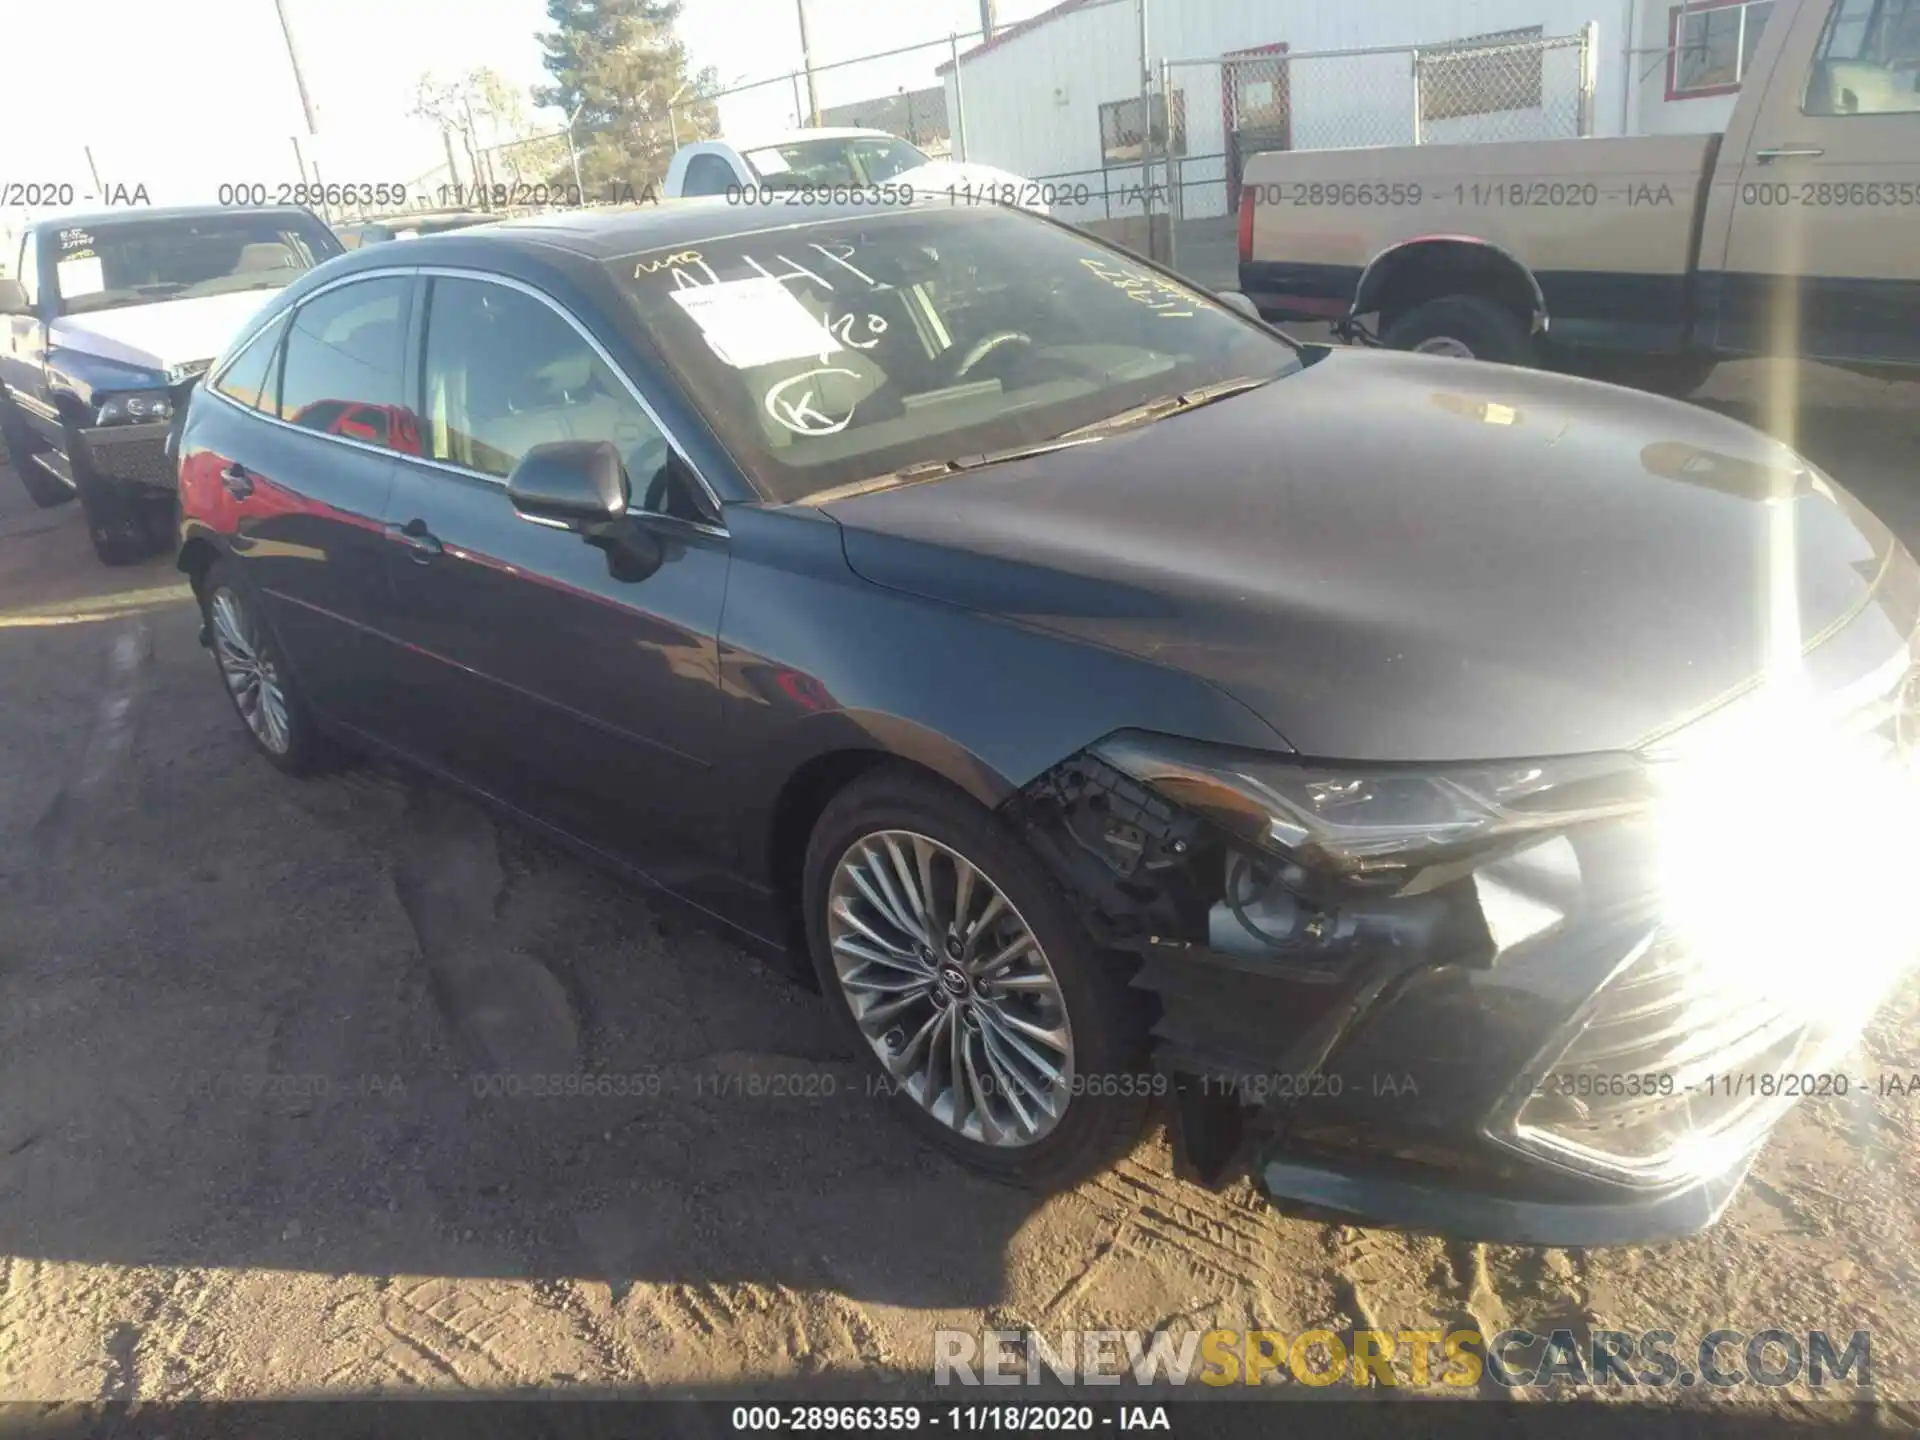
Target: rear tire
pixel 1465 327
pixel 254 672
pixel 1060 985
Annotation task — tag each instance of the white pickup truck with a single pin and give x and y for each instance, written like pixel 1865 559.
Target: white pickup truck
pixel 1797 232
pixel 842 158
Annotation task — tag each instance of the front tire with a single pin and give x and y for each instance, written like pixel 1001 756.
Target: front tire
pixel 255 674
pixel 46 491
pixel 118 521
pixel 1464 327
pixel 969 985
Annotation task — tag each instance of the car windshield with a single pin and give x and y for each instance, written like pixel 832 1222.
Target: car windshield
pixel 833 352
pixel 137 262
pixel 845 160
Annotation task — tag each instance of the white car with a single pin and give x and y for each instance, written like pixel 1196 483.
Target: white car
pixel 831 158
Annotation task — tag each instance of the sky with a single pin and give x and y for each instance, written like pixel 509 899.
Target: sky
pixel 186 97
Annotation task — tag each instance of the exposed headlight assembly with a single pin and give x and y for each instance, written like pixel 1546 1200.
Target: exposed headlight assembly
pixel 1379 824
pixel 1449 862
pixel 135 407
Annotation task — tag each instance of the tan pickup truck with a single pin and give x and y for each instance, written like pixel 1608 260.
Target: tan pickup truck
pixel 1796 232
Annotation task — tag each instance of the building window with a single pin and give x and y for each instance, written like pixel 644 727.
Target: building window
pixel 1120 129
pixel 1481 75
pixel 1712 46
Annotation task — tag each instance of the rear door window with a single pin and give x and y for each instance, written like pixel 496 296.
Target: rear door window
pixel 252 377
pixel 343 374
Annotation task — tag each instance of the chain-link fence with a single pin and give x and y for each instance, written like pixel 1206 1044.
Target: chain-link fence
pixel 899 91
pixel 1211 116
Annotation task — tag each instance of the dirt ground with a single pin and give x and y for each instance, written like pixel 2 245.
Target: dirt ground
pixel 177 921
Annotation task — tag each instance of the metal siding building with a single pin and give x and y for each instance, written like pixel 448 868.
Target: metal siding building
pixel 1033 95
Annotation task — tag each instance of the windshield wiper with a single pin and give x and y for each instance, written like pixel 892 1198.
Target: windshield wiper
pixel 934 469
pixel 1167 405
pixel 1085 435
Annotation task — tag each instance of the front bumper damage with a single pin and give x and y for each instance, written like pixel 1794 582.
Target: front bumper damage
pixel 1537 1057
pixel 134 454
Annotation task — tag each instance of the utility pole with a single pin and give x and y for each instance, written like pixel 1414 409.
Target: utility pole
pixel 986 20
pixel 806 58
pixel 482 172
pixel 299 78
pixel 1146 131
pixel 573 153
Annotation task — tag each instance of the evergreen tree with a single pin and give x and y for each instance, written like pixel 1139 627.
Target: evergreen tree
pixel 621 63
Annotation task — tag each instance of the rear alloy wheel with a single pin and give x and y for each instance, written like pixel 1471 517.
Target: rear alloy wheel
pixel 258 681
pixel 976 995
pixel 1462 327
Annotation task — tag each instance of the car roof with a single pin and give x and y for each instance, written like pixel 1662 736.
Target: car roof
pixel 423 217
pixel 605 234
pixel 818 132
pixel 99 219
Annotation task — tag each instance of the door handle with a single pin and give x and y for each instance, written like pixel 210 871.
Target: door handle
pixel 1789 152
pixel 239 484
pixel 417 538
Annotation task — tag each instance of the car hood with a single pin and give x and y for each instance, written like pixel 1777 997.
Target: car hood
pixel 1399 557
pixel 163 334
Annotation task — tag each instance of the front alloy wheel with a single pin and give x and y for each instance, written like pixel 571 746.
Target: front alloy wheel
pixel 951 988
pixel 987 1015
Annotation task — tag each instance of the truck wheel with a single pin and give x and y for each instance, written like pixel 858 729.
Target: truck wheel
pixel 43 489
pixel 1464 327
pixel 970 987
pixel 117 521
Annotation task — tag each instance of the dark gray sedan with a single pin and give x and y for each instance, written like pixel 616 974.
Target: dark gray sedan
pixel 1474 799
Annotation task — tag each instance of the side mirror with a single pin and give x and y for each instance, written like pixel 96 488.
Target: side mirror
pixel 1236 301
pixel 13 298
pixel 572 483
pixel 581 485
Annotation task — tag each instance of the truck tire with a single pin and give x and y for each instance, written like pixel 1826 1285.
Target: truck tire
pixel 1465 327
pixel 22 444
pixel 118 523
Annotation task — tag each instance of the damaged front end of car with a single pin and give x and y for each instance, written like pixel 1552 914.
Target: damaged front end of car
pixel 1554 1001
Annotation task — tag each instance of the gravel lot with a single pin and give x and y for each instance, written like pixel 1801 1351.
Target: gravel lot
pixel 177 920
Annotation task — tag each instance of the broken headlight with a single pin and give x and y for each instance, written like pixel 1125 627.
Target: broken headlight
pixel 1380 823
pixel 1323 861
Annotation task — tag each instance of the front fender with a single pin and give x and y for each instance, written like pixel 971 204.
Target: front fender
pixel 815 660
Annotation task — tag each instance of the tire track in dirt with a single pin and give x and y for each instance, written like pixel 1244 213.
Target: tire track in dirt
pixel 449 1326
pixel 1200 1229
pixel 568 1298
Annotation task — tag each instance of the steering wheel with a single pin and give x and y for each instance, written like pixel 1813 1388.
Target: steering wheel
pixel 986 346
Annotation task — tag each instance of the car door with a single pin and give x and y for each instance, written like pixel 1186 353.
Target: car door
pixel 23 363
pixel 1823 248
pixel 308 479
pixel 520 662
